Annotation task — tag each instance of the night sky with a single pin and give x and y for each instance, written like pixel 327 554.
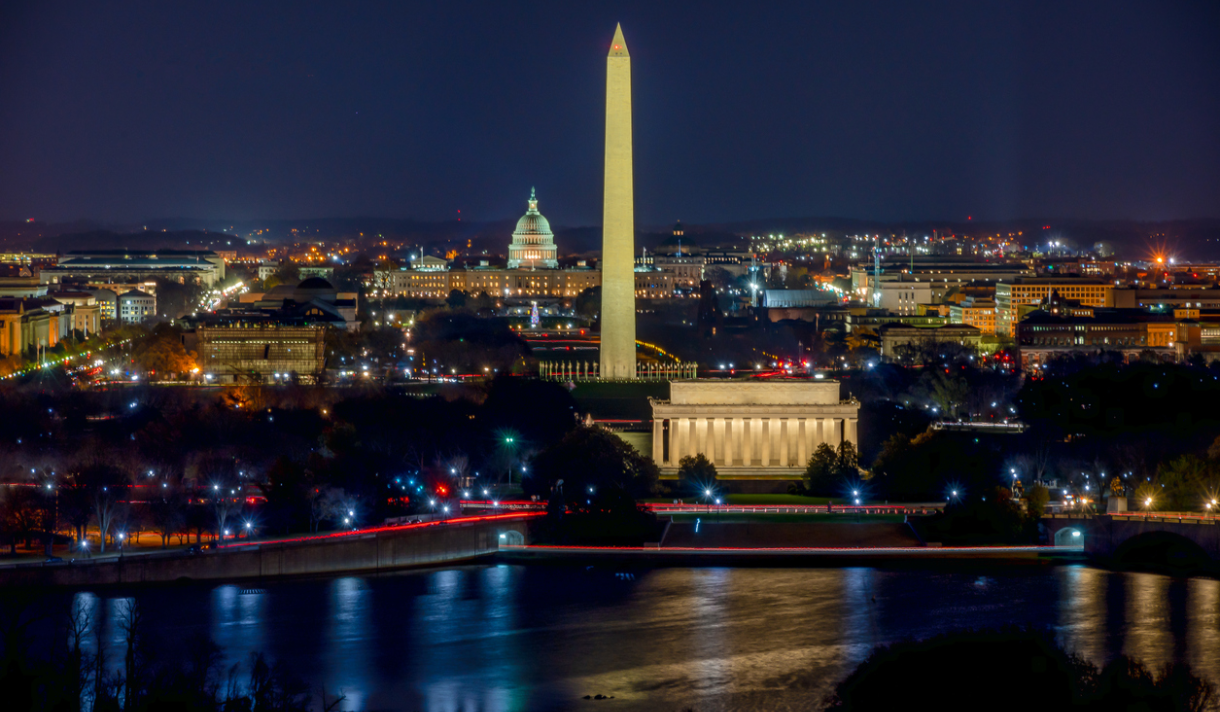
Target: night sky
pixel 742 110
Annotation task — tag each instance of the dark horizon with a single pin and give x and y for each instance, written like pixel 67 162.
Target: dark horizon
pixel 883 112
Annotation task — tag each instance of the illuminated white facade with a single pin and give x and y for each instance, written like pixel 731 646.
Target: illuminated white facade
pixel 533 244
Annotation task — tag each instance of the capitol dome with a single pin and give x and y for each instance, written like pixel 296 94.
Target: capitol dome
pixel 533 242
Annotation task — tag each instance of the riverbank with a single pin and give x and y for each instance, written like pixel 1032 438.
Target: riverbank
pixel 658 557
pixel 368 551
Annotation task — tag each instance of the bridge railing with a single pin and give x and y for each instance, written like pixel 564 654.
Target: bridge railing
pixel 1176 517
pixel 679 508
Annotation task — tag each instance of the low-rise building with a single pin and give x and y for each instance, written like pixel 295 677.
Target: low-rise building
pixel 259 349
pixel 85 313
pixel 183 266
pixel 107 303
pixel 897 339
pixel 135 307
pixel 1009 296
pixel 28 324
pixel 979 313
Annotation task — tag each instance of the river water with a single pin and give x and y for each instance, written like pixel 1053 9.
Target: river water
pixel 508 637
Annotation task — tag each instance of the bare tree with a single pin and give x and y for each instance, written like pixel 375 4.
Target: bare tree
pixel 105 484
pixel 225 490
pixel 330 703
pixel 78 663
pixel 130 620
pixel 168 509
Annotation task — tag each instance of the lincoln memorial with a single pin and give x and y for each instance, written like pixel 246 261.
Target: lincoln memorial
pixel 750 429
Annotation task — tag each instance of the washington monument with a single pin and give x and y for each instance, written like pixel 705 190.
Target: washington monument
pixel 618 221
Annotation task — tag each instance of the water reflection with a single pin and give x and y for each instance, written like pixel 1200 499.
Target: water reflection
pixel 506 638
pixel 1082 610
pixel 1203 625
pixel 1148 636
pixel 711 670
pixel 237 622
pixel 348 641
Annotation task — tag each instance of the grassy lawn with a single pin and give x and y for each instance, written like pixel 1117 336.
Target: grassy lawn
pixel 784 518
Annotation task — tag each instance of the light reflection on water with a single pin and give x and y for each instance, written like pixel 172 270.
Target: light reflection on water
pixel 508 638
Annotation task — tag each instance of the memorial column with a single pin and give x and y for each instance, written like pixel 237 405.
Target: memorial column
pixel 673 440
pixel 747 441
pixel 785 426
pixel 658 441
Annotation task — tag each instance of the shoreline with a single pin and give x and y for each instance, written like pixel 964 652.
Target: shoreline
pixel 788 556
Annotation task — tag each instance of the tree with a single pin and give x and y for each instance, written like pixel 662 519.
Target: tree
pixel 588 303
pixel 288 273
pixel 945 391
pixel 457 299
pixel 709 316
pixel 338 507
pixel 21 514
pixel 286 492
pixel 1036 498
pixel 106 485
pixel 225 489
pixel 719 277
pixel 821 470
pixel 596 466
pixel 482 301
pixel 162 354
pixel 168 509
pixel 984 661
pixel 696 474
pixel 1185 482
pixel 847 461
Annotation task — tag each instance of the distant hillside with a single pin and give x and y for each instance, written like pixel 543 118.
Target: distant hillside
pixel 1188 239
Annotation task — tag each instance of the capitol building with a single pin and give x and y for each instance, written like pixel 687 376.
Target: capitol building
pixel 532 270
pixel 533 244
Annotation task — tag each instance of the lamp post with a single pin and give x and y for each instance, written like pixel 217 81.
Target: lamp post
pixel 508 467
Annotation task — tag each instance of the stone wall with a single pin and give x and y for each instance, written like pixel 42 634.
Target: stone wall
pixel 723 392
pixel 366 553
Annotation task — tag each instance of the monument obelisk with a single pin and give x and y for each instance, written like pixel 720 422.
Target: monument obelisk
pixel 618 221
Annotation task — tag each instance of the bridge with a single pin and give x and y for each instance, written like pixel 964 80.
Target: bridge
pixel 366 551
pixel 1176 540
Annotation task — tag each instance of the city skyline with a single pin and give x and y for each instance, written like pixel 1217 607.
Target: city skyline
pixel 886 112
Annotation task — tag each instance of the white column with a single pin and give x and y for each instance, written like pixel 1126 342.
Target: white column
pixel 727 433
pixel 713 449
pixel 673 441
pixel 680 438
pixel 658 441
pixel 764 437
pixel 700 435
pixel 852 432
pixel 802 438
pixel 836 436
pixel 747 440
pixel 785 430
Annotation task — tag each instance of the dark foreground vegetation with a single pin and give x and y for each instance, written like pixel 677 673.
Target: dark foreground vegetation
pixel 1013 669
pixel 147 674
